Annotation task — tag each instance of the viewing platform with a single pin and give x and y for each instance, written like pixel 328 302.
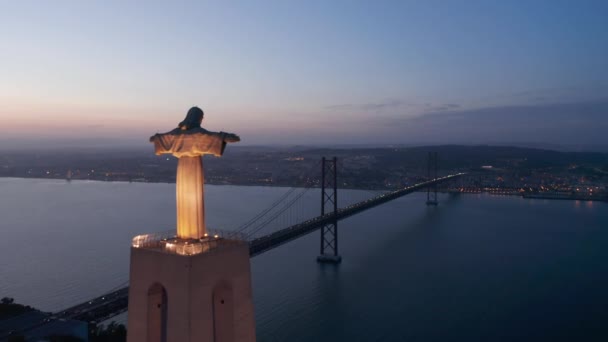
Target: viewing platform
pixel 167 242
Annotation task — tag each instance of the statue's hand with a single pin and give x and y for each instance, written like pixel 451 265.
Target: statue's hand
pixel 230 137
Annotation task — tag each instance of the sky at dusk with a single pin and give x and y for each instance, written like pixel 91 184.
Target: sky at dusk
pixel 306 72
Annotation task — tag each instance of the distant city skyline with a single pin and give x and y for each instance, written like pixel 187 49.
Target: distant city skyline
pixel 307 73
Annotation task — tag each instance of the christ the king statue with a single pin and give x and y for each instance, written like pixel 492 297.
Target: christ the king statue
pixel 189 142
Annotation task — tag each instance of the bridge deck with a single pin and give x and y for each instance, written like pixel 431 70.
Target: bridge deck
pixel 273 240
pixel 114 303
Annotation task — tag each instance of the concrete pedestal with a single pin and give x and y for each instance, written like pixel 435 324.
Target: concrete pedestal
pixel 205 297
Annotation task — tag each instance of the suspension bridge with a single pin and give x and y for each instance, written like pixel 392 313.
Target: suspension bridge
pixel 115 301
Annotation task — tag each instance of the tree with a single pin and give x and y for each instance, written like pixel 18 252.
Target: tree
pixel 7 300
pixel 63 338
pixel 113 332
pixel 8 308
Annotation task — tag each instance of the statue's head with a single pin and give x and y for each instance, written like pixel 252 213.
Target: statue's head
pixel 193 119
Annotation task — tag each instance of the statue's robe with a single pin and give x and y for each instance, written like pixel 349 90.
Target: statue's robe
pixel 189 146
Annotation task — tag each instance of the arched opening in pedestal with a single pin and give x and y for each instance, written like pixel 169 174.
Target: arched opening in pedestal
pixel 223 313
pixel 157 313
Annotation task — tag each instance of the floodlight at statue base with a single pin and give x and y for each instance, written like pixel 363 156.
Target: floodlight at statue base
pixel 329 259
pixel 190 290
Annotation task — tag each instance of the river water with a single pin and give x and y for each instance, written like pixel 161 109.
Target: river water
pixel 475 268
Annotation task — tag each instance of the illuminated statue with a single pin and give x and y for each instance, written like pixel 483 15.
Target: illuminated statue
pixel 189 142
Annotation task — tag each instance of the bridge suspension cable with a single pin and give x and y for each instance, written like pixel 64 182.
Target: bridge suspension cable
pixel 288 205
pixel 276 204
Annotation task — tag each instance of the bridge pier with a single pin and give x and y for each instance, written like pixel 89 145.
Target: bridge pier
pixel 329 198
pixel 431 191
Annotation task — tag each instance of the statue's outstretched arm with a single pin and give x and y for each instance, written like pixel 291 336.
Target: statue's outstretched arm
pixel 231 137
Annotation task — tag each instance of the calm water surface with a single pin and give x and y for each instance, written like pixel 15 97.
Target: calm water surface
pixel 476 268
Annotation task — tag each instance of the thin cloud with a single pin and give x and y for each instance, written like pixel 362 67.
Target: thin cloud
pixel 563 123
pixel 443 107
pixel 391 103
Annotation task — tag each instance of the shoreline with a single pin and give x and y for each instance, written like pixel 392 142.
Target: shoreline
pixel 165 182
pixel 505 193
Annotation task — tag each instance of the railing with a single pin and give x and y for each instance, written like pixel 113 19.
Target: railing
pixel 168 242
pixel 152 240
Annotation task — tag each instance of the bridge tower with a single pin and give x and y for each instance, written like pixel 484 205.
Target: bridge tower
pixel 432 168
pixel 329 204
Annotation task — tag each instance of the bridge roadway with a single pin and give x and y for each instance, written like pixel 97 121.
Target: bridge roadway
pixel 114 303
pixel 270 241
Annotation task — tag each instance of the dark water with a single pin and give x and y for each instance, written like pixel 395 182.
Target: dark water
pixel 476 268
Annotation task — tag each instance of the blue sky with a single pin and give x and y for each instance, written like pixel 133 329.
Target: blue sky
pixel 298 72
